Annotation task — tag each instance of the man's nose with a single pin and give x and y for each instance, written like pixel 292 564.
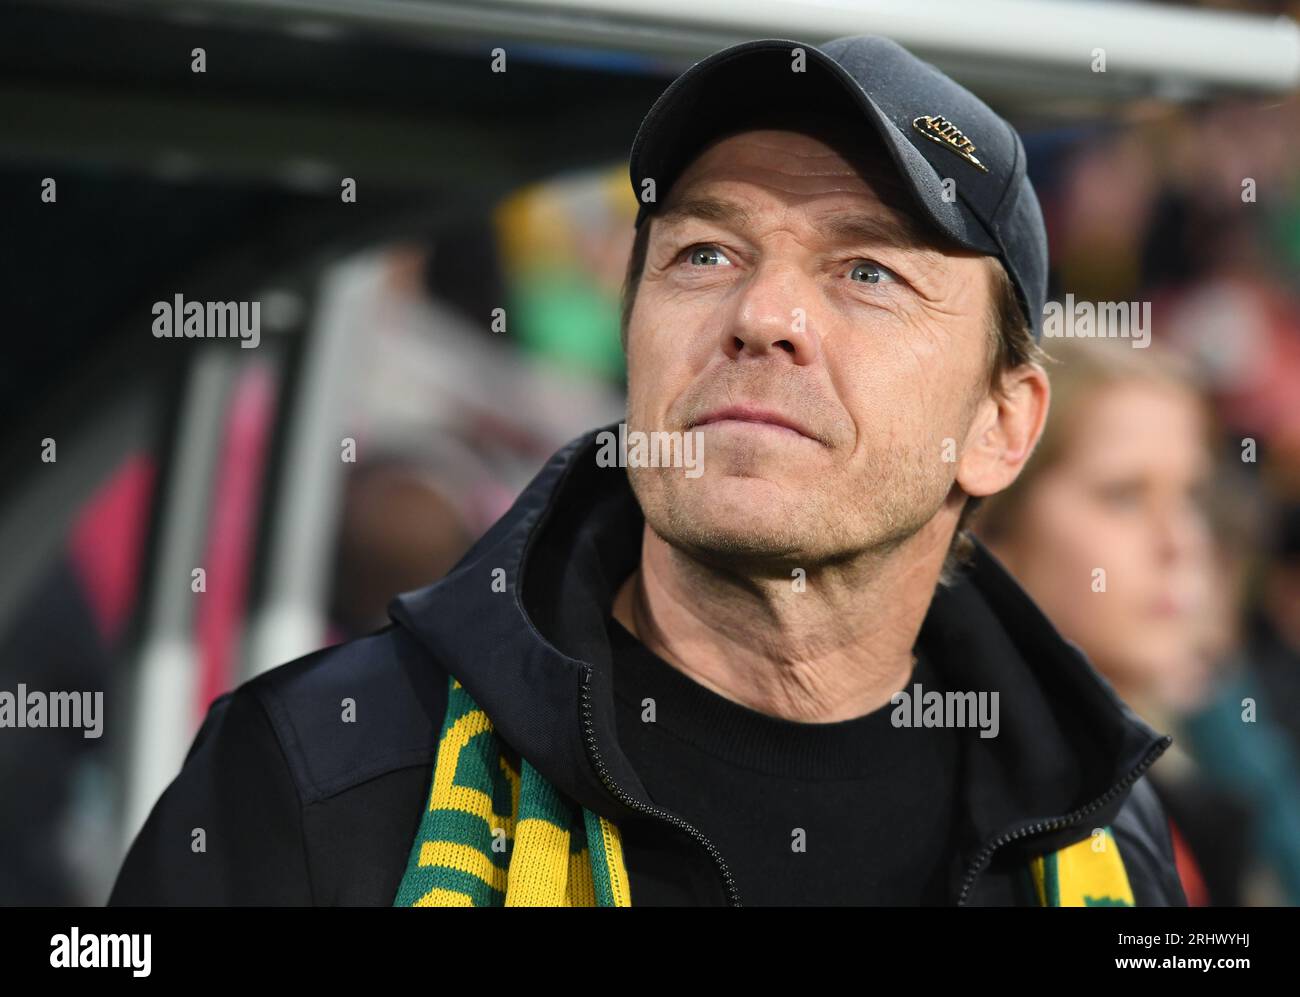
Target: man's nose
pixel 774 315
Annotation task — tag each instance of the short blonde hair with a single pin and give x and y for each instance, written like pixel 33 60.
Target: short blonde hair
pixel 1082 369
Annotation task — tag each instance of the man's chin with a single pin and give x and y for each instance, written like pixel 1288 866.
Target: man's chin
pixel 735 517
pixel 741 498
pixel 723 544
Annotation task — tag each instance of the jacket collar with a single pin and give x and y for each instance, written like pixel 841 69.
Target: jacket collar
pixel 520 623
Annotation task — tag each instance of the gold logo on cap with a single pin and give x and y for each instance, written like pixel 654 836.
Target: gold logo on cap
pixel 939 129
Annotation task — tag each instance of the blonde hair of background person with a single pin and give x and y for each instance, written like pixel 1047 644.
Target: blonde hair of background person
pixel 1108 524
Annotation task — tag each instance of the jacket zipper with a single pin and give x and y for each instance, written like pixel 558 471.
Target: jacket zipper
pixel 589 733
pixel 1057 823
pixel 981 860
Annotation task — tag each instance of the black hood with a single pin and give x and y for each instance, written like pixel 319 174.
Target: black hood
pixel 520 622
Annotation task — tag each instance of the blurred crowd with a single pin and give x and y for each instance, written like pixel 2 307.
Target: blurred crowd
pixel 1158 522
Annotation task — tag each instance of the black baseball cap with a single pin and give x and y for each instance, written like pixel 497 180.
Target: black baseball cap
pixel 932 127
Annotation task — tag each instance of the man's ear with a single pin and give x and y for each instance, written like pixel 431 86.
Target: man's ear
pixel 1005 431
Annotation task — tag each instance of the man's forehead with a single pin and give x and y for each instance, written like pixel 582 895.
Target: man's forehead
pixel 860 212
pixel 792 161
pixel 722 203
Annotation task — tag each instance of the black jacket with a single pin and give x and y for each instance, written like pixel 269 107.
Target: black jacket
pixel 299 807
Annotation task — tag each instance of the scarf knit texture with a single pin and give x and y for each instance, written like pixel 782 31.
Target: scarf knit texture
pixel 495 833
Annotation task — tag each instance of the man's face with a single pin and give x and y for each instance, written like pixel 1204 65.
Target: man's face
pixel 780 283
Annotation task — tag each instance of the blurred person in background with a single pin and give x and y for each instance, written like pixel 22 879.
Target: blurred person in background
pixel 454 413
pixel 1109 529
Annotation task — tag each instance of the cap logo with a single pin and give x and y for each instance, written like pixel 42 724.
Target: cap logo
pixel 939 129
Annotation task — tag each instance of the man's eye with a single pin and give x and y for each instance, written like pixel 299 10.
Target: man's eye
pixel 871 273
pixel 705 255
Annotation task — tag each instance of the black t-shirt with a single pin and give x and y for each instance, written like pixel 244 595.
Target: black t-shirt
pixel 853 812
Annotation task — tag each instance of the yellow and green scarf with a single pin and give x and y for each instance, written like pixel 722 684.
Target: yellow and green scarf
pixel 496 833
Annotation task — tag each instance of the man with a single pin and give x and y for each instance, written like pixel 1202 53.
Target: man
pixel 770 667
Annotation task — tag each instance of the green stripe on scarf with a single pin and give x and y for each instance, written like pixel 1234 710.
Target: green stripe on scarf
pixel 496 833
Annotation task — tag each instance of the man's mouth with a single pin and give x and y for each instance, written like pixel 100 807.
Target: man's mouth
pixel 754 417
